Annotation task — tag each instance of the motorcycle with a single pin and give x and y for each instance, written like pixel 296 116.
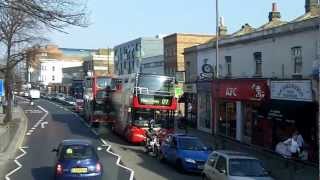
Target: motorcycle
pixel 152 143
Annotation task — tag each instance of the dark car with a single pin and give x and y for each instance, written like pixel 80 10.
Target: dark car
pixel 69 101
pixel 77 159
pixel 188 153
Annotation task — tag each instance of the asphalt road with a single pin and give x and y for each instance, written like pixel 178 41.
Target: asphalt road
pixel 38 161
pixel 45 132
pixel 144 166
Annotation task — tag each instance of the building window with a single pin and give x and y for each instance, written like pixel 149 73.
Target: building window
pixel 258 63
pixel 296 53
pixel 53 78
pixel 53 68
pixel 228 65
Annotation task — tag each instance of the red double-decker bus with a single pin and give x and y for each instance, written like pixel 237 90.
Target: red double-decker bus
pixel 140 98
pixel 95 98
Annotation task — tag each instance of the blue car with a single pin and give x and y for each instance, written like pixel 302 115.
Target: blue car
pixel 188 153
pixel 77 159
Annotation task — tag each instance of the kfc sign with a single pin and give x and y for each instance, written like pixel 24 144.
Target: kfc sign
pixel 231 92
pixel 254 90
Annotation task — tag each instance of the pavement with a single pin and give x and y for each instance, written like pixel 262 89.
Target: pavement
pixel 281 168
pixel 48 124
pixel 11 136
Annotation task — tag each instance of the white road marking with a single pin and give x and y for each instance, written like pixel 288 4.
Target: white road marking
pixel 94 132
pixel 35 111
pixel 43 123
pixel 119 158
pixel 17 162
pixel 109 149
pixel 40 121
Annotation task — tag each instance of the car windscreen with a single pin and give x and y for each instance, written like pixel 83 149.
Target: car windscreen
pixel 191 144
pixel 246 168
pixel 70 99
pixel 78 152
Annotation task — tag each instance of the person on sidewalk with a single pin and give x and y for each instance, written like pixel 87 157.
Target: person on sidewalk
pixel 293 145
pixel 300 140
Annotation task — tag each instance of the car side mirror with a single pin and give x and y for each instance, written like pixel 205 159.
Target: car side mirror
pixel 223 171
pixel 211 162
pixel 54 150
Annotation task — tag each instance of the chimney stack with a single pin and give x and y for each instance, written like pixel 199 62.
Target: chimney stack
pixel 312 6
pixel 223 30
pixel 274 14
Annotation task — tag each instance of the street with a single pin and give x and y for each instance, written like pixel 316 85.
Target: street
pixel 59 124
pixel 145 166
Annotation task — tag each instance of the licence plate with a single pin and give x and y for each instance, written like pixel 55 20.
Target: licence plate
pixel 200 167
pixel 79 170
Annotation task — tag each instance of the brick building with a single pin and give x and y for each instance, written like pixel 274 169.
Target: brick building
pixel 174 45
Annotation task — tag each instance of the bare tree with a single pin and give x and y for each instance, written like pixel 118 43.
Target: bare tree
pixel 21 25
pixel 55 14
pixel 17 30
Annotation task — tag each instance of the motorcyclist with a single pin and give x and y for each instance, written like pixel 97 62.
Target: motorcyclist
pixel 151 135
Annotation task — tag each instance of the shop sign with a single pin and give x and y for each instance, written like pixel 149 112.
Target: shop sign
pixel 190 88
pixel 207 72
pixel 292 90
pixel 178 92
pixel 243 90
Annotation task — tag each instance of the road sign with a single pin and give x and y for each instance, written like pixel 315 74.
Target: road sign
pixel 178 91
pixel 1 87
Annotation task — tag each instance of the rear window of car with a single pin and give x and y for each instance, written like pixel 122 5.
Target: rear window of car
pixel 246 168
pixel 78 152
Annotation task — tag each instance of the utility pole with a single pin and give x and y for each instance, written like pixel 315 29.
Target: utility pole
pixel 108 61
pixel 217 39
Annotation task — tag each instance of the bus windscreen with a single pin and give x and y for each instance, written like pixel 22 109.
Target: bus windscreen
pixel 156 83
pixel 103 82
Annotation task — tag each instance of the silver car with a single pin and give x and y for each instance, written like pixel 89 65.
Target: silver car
pixel 231 165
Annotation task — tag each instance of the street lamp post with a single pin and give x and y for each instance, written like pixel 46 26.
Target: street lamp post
pixel 217 39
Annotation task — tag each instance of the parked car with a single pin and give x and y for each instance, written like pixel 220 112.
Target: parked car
pixel 231 165
pixel 70 101
pixel 59 97
pixel 51 96
pixel 77 159
pixel 25 94
pixel 21 93
pixel 79 105
pixel 34 93
pixel 188 153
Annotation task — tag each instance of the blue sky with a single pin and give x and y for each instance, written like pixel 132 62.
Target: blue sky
pixel 117 21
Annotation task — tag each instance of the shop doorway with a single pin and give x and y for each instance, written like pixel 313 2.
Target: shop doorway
pixel 204 112
pixel 227 119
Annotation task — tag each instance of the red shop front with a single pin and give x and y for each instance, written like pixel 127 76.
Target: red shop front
pixel 236 102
